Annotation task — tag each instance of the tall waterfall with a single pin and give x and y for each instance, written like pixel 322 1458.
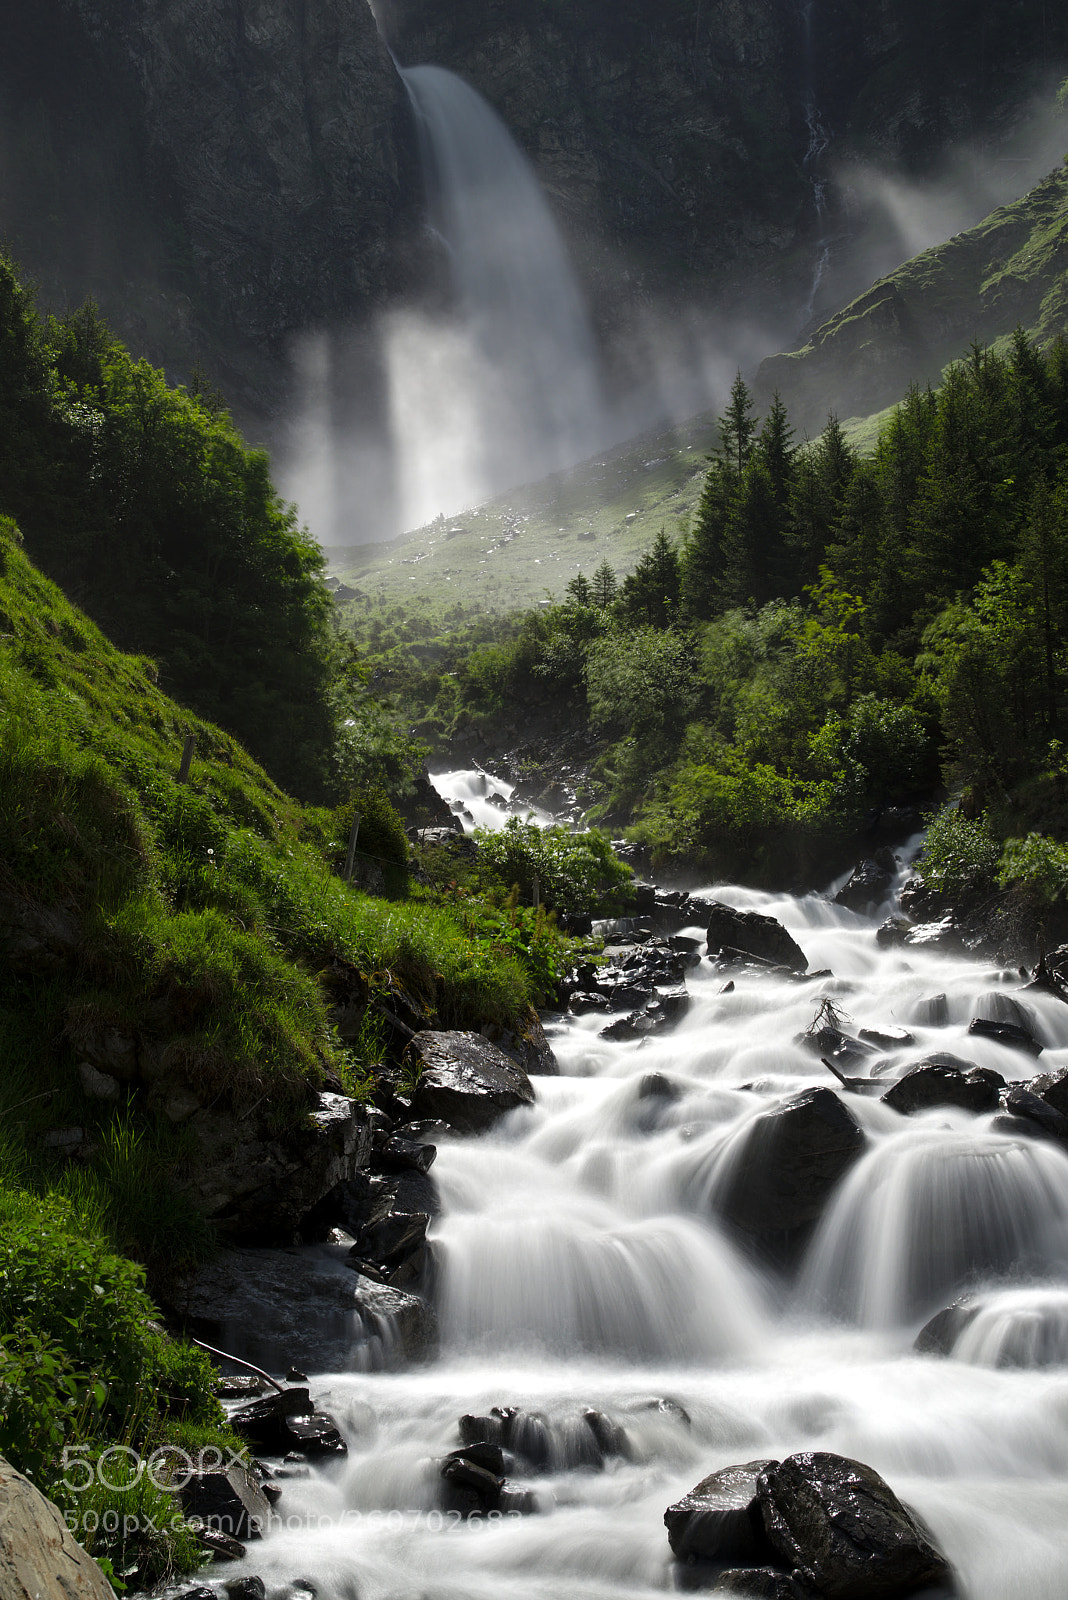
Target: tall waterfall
pixel 505 387
pixel 818 140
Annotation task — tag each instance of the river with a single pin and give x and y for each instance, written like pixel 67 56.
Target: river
pixel 582 1265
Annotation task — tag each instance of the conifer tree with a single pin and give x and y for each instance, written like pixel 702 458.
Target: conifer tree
pixel 605 585
pixel 651 592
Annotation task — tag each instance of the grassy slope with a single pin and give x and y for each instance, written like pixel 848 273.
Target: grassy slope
pixel 513 550
pixel 1009 270
pixel 199 920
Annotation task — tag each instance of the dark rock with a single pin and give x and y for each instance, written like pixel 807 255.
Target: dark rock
pixel 933 1083
pixel 469 1489
pixel 527 1046
pixel 720 1519
pixel 843 1525
pixel 892 932
pixel 220 1545
pixel 582 1002
pixel 271 1307
pixel 869 883
pixel 888 1038
pixel 762 1583
pixel 1010 1034
pixel 939 1335
pixel 490 1457
pixel 252 1588
pixel 932 1011
pixel 1052 1087
pixel 793 1159
pixel 230 1387
pixel 399 1155
pixel 1021 1102
pixel 390 1240
pixel 754 935
pixel 317 1435
pixel 229 1502
pixel 466 1081
pixel 579 924
pixel 655 1086
pixel 258 1184
pixel 523 1501
pixel 610 1439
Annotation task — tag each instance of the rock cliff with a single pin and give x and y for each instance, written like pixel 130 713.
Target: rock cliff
pixel 221 177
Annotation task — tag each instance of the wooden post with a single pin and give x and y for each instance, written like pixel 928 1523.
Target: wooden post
pixel 350 863
pixel 187 757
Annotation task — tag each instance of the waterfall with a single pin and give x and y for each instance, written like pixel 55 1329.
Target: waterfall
pixel 819 139
pixel 931 1212
pixel 505 387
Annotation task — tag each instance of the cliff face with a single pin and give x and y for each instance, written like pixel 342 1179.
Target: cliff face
pixel 681 139
pixel 220 176
pixel 245 169
pixel 1010 271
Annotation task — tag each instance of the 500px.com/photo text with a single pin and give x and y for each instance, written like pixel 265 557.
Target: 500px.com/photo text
pixel 81 1523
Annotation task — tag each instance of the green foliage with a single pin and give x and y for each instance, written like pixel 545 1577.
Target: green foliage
pixel 83 1364
pixel 381 838
pixel 1039 864
pixel 144 501
pixel 960 856
pixel 574 871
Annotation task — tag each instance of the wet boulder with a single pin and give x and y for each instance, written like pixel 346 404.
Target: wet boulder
pixel 761 1583
pixel 794 1158
pixel 945 1080
pixel 721 1519
pixel 465 1080
pixel 845 1528
pixel 1011 1034
pixel 1021 1102
pixel 738 934
pixel 229 1501
pixel 869 884
pixel 1052 1087
pixel 277 1307
pixel 940 1333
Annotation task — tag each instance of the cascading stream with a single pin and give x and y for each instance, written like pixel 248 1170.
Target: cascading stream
pixel 583 1262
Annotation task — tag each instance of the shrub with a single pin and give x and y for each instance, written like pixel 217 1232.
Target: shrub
pixel 1039 863
pixel 960 855
pixel 575 871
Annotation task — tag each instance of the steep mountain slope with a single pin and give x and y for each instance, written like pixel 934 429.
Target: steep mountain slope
pixel 977 286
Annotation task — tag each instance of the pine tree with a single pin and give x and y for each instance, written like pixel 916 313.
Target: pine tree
pixel 579 591
pixel 605 585
pixel 651 592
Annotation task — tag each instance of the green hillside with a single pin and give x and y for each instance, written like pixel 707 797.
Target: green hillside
pixel 1008 271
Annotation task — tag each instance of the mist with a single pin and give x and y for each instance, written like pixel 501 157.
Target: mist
pixel 438 407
